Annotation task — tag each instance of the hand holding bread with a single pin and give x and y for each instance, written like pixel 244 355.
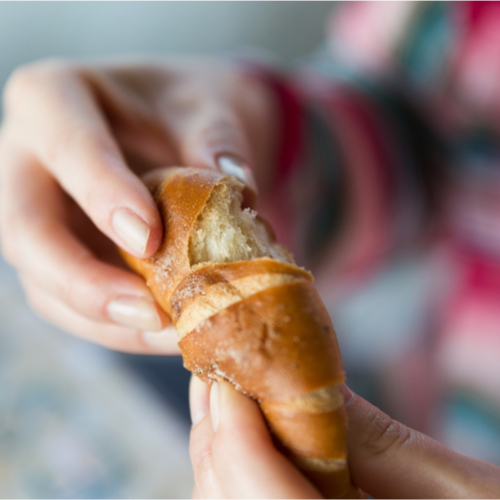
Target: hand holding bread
pixel 75 139
pixel 247 314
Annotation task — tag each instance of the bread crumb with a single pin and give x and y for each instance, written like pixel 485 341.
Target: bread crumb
pixel 227 233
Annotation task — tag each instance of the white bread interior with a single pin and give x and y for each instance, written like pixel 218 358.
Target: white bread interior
pixel 226 233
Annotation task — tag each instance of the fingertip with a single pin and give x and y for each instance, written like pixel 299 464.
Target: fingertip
pixel 233 401
pixel 220 142
pixel 156 235
pixel 138 235
pixel 164 341
pixel 243 450
pixel 235 166
pixel 111 336
pixel 136 311
pixel 237 414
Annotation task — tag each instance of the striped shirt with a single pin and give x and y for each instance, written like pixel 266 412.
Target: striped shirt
pixel 388 189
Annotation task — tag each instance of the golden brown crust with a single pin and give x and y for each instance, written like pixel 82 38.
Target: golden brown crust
pixel 206 275
pixel 283 332
pixel 323 434
pixel 181 195
pixel 259 324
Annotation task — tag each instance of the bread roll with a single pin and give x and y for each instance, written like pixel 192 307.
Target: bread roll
pixel 247 314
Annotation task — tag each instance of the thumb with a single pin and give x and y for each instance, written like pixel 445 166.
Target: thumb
pixel 216 138
pixel 390 460
pixel 244 457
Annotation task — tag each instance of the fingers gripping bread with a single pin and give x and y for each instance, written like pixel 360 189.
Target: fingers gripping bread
pixel 247 314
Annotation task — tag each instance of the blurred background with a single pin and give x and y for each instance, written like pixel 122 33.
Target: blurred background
pixel 283 30
pixel 77 421
pixel 419 332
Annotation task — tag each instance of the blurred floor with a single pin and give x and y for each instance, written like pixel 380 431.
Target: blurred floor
pixel 77 422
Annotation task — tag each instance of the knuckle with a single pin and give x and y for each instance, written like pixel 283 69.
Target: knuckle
pixel 200 450
pixel 20 81
pixel 26 78
pixel 385 435
pixel 206 479
pixel 202 462
pixel 202 469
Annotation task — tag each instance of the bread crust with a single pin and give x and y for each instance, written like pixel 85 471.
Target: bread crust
pixel 282 332
pixel 259 324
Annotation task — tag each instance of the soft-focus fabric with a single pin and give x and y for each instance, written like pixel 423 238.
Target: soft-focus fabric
pixel 388 189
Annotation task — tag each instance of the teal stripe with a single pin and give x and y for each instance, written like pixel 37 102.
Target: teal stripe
pixel 425 51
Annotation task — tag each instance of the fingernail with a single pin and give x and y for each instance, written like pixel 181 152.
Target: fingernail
pixel 237 168
pixel 165 340
pixel 215 405
pixel 346 392
pixel 131 229
pixel 135 312
pixel 199 399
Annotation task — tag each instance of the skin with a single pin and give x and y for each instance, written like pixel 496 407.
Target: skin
pixel 74 141
pixel 235 458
